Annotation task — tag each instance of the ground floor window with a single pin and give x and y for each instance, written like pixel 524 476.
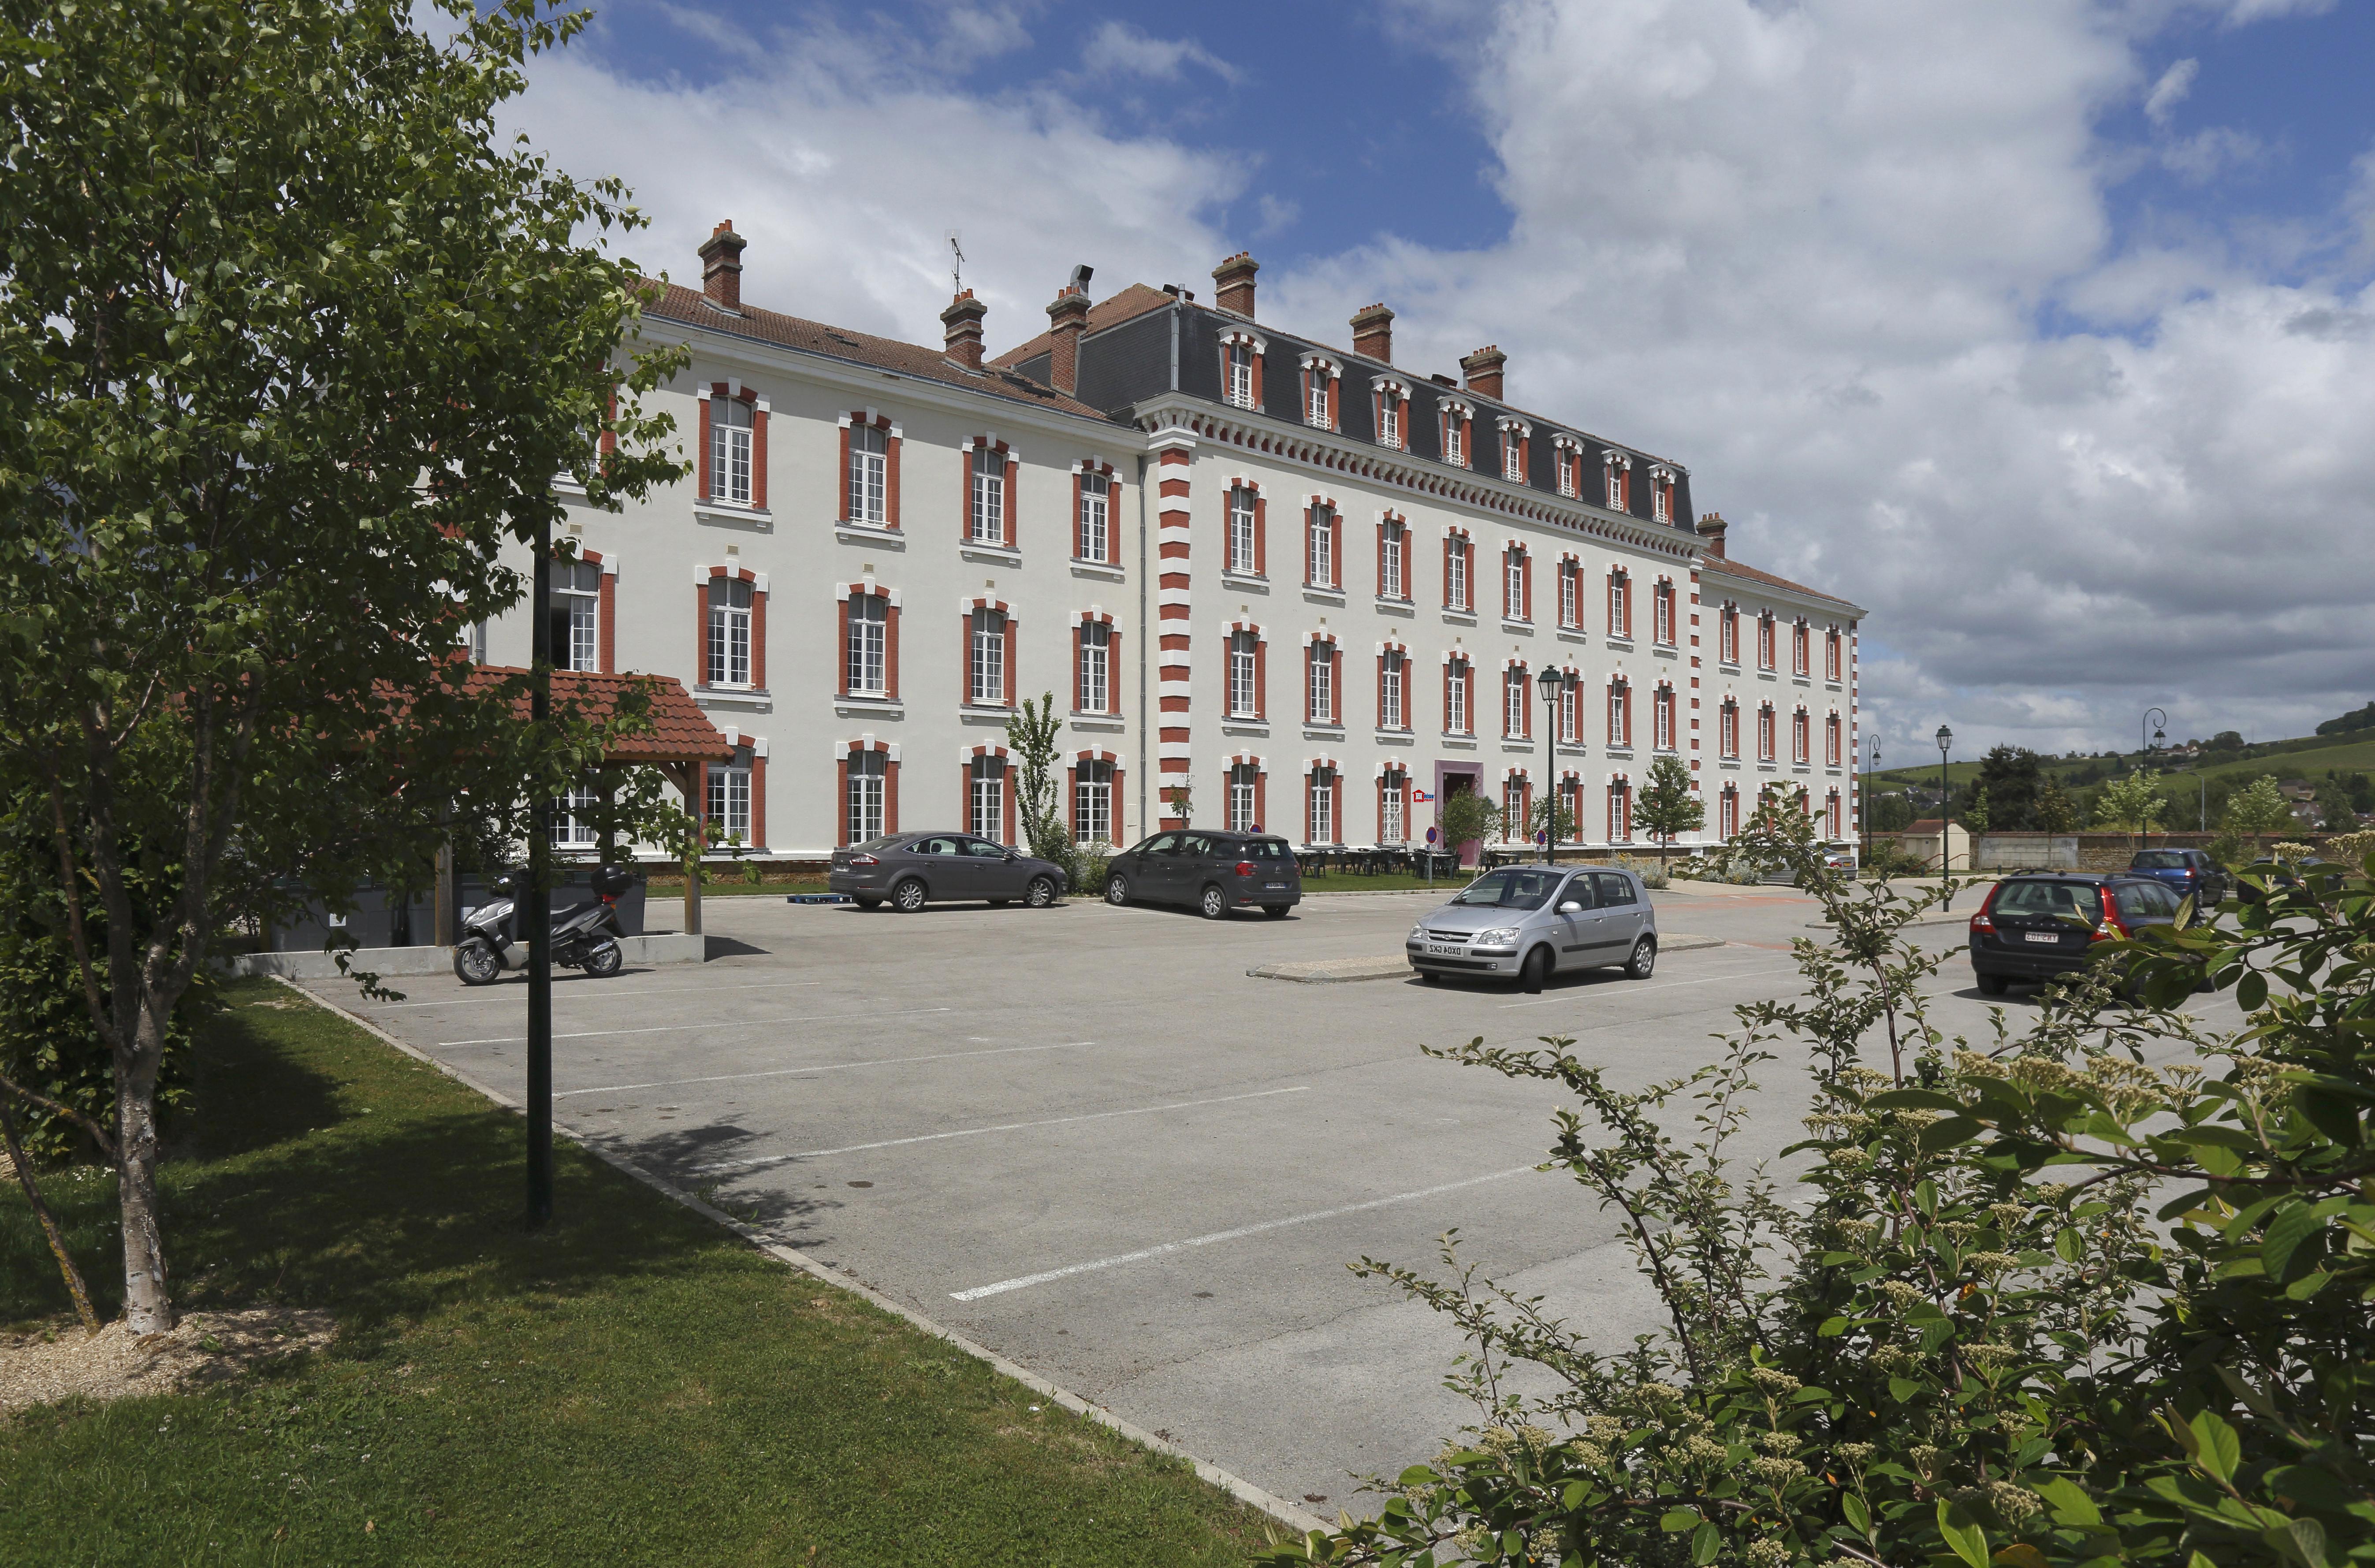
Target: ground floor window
pixel 986 792
pixel 572 818
pixel 1727 813
pixel 1620 812
pixel 1323 807
pixel 728 818
pixel 1092 794
pixel 869 776
pixel 1392 825
pixel 1245 797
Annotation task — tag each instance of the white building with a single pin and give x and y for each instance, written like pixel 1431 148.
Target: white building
pixel 1308 587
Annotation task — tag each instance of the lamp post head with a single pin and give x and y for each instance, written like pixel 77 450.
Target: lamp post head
pixel 1548 683
pixel 1945 739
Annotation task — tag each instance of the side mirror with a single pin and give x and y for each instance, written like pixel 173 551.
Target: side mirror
pixel 1570 907
pixel 1014 854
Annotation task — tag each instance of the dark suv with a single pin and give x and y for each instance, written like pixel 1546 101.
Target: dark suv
pixel 1213 873
pixel 2191 872
pixel 2034 927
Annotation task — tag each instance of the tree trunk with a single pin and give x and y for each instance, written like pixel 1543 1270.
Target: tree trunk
pixel 148 1300
pixel 57 1240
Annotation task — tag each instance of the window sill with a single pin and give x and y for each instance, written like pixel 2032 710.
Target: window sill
pixel 1322 731
pixel 1664 651
pixel 731 511
pixel 983 712
pixel 1244 726
pixel 1574 634
pixel 1097 721
pixel 1252 583
pixel 1525 628
pixel 1460 617
pixel 1619 754
pixel 1768 674
pixel 1396 737
pixel 1097 568
pixel 1319 596
pixel 997 555
pixel 1731 763
pixel 1622 645
pixel 853 704
pixel 850 533
pixel 1531 747
pixel 736 696
pixel 1463 742
pixel 1727 666
pixel 1395 607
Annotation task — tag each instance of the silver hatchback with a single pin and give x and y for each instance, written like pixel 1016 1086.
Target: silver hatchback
pixel 1529 921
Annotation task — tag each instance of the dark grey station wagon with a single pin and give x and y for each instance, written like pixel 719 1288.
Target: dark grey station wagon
pixel 1210 872
pixel 911 870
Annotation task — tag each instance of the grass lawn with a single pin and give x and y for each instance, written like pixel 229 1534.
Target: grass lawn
pixel 632 1386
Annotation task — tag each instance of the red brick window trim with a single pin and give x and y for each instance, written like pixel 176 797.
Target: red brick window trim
pixel 987 764
pixel 1093 518
pixel 1244 675
pixel 1096 680
pixel 1620 603
pixel 1323 543
pixel 733 446
pixel 727 633
pixel 865 780
pixel 869 640
pixel 868 469
pixel 987 671
pixel 987 498
pixel 1246 544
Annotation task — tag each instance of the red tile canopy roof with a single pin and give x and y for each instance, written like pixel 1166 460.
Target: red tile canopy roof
pixel 679 731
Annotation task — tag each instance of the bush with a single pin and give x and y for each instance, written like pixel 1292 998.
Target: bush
pixel 1652 875
pixel 2039 1301
pixel 1891 858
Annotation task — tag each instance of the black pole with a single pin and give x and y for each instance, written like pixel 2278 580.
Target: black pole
pixel 1945 831
pixel 1550 778
pixel 536 903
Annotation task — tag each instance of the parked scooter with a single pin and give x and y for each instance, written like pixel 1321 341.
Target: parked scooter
pixel 585 938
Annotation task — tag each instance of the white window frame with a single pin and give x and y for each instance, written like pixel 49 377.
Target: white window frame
pixel 868 652
pixel 570 828
pixel 1316 403
pixel 1620 616
pixel 1244 675
pixel 1393 547
pixel 1768 747
pixel 1093 789
pixel 1661 614
pixel 725 811
pixel 1454 445
pixel 870 778
pixel 1571 594
pixel 1393 823
pixel 1514 708
pixel 1662 708
pixel 1242 530
pixel 1319 661
pixel 1095 522
pixel 1319 788
pixel 1097 666
pixel 730 632
pixel 1245 779
pixel 870 473
pixel 1393 673
pixel 1455 572
pixel 1620 715
pixel 1568 716
pixel 985 516
pixel 731 421
pixel 578 585
pixel 1320 551
pixel 985 799
pixel 1237 368
pixel 985 672
pixel 1455 705
pixel 1513 585
pixel 1390 420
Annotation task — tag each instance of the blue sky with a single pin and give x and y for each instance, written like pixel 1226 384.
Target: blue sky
pixel 2040 328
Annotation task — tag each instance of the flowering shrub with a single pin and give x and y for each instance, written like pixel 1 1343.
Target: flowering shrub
pixel 2092 1293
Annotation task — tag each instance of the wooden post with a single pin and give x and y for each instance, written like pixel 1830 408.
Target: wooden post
pixel 446 895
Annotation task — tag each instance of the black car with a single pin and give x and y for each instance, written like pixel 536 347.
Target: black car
pixel 1210 872
pixel 2191 872
pixel 914 869
pixel 2034 927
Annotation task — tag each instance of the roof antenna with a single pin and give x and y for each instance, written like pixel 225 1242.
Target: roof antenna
pixel 956 272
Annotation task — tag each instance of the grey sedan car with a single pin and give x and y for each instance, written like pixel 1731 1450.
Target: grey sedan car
pixel 911 870
pixel 1529 921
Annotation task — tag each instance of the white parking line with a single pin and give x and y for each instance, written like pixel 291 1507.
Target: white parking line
pixel 1660 986
pixel 978 1292
pixel 827 1067
pixel 714 1023
pixel 607 993
pixel 976 1132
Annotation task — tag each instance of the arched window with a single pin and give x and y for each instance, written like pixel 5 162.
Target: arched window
pixel 986 798
pixel 1244 675
pixel 870 473
pixel 1096 543
pixel 1393 669
pixel 1454 697
pixel 1620 714
pixel 985 662
pixel 577 590
pixel 1393 803
pixel 731 601
pixel 729 449
pixel 1245 797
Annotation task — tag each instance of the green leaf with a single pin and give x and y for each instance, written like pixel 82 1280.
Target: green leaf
pixel 1857 1514
pixel 1925 1196
pixel 2328 1113
pixel 1902 1389
pixel 1947 1134
pixel 1963 1533
pixel 1706 1542
pixel 1676 1521
pixel 2218 1449
pixel 1832 1328
pixel 2068 1245
pixel 2070 1502
pixel 2251 990
pixel 2308 1539
pixel 2308 1285
pixel 2293 1224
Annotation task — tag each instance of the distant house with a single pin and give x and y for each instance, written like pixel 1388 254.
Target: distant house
pixel 1920 841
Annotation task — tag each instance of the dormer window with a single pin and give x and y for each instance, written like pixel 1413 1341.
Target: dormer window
pixel 1568 466
pixel 1392 406
pixel 1515 433
pixel 1619 471
pixel 1241 368
pixel 1320 376
pixel 1457 418
pixel 1661 494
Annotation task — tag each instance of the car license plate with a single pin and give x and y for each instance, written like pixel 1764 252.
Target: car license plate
pixel 1275 886
pixel 1443 947
pixel 2040 937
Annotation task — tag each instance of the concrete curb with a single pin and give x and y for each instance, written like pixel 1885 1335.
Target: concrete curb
pixel 1243 1491
pixel 1337 972
pixel 667 946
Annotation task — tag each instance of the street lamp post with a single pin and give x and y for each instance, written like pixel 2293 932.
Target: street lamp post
pixel 534 901
pixel 2160 731
pixel 1870 768
pixel 1945 817
pixel 1549 683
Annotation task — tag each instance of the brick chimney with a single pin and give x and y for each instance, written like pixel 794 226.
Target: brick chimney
pixel 1232 285
pixel 1067 319
pixel 1711 530
pixel 961 321
pixel 1373 333
pixel 721 266
pixel 1483 371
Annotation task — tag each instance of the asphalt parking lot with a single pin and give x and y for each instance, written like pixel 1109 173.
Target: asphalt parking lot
pixel 1085 1137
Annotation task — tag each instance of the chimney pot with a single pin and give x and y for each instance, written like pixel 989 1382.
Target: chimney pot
pixel 1232 285
pixel 1711 530
pixel 1483 368
pixel 1373 333
pixel 1068 318
pixel 962 322
pixel 721 266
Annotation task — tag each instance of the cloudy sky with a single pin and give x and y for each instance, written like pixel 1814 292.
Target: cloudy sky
pixel 2040 328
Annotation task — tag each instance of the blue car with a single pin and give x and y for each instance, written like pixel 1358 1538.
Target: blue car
pixel 2186 872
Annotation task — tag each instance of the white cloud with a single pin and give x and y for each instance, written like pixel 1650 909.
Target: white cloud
pixel 1119 47
pixel 2170 90
pixel 1849 259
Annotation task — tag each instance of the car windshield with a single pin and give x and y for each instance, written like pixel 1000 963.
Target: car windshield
pixel 1512 889
pixel 2158 860
pixel 2082 900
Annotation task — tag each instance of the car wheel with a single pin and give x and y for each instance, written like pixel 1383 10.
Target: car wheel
pixel 1993 985
pixel 1644 961
pixel 1531 973
pixel 1276 911
pixel 1040 893
pixel 1213 903
pixel 1116 889
pixel 864 901
pixel 907 897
